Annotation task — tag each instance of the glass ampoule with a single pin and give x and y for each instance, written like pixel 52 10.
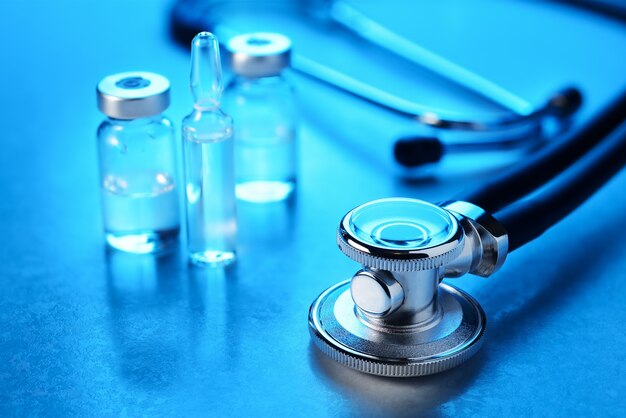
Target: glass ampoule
pixel 208 149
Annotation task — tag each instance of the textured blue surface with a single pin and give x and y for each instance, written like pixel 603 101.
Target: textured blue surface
pixel 85 332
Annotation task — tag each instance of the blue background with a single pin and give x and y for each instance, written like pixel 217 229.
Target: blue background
pixel 87 332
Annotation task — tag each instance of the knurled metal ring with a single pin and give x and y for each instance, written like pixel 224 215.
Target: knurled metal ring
pixel 399 260
pixel 341 345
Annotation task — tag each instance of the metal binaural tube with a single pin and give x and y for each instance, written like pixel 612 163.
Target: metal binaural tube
pixel 360 24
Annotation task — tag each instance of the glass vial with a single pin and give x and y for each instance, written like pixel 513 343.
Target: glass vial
pixel 262 104
pixel 137 157
pixel 209 161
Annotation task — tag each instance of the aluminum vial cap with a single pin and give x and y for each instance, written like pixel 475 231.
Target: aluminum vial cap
pixel 132 95
pixel 259 54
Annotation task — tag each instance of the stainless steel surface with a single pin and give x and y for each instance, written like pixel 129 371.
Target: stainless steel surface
pixel 420 305
pixel 486 241
pixel 83 332
pixel 426 257
pixel 259 54
pixel 134 94
pixel 429 348
pixel 376 293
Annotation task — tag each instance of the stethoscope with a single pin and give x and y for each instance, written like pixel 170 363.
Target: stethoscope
pixel 395 316
pixel 522 125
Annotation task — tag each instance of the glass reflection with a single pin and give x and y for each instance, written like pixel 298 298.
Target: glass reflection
pixel 171 322
pixel 143 295
pixel 268 223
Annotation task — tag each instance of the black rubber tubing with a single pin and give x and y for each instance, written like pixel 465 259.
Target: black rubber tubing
pixel 547 163
pixel 529 218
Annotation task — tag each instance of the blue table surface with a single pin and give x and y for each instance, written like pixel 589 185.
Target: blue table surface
pixel 84 331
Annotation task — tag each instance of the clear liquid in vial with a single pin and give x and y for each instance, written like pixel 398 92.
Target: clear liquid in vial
pixel 140 212
pixel 266 168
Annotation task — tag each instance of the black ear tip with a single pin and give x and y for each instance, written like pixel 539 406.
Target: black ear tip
pixel 566 102
pixel 415 151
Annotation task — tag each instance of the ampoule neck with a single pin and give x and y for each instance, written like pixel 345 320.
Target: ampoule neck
pixel 201 114
pixel 210 105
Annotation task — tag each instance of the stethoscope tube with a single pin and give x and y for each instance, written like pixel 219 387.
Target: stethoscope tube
pixel 527 219
pixel 549 162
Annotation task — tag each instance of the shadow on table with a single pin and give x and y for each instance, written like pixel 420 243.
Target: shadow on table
pixel 552 278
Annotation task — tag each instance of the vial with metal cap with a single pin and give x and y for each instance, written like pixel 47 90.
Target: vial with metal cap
pixel 137 157
pixel 261 101
pixel 209 161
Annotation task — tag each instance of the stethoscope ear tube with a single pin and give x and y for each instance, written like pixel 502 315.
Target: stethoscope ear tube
pixel 416 151
pixel 565 103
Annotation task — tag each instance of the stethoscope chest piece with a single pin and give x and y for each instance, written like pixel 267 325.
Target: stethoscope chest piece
pixel 395 317
pixel 339 332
